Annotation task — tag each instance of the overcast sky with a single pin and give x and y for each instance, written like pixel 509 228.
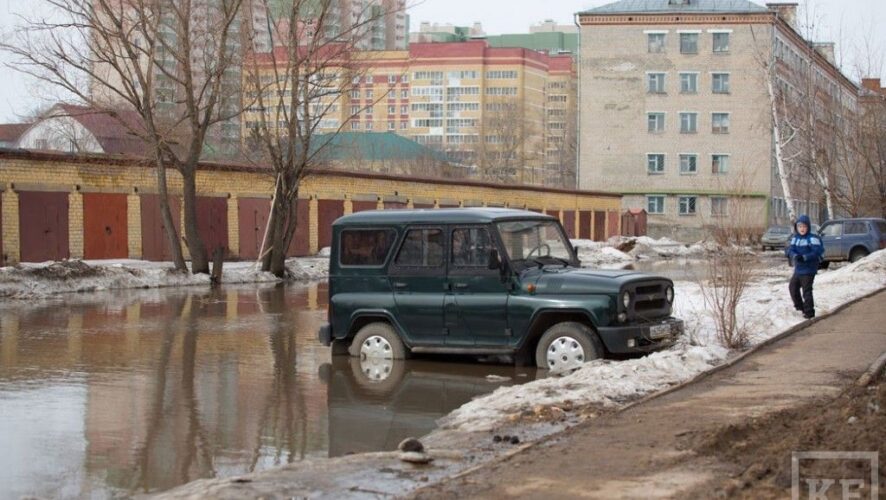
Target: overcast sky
pixel 854 24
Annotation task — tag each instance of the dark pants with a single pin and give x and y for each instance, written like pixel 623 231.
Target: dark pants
pixel 804 303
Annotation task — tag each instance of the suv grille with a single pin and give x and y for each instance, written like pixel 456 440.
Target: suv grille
pixel 649 300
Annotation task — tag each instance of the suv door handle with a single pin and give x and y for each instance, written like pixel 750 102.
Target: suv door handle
pixel 399 285
pixel 460 286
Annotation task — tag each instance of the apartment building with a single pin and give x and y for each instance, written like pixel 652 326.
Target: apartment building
pixel 485 107
pixel 676 114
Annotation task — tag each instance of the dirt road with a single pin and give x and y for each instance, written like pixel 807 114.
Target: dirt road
pixel 650 450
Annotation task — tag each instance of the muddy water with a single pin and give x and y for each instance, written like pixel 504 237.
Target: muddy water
pixel 108 395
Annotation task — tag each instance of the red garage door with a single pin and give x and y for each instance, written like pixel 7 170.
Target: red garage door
pixel 613 225
pixel 569 222
pixel 300 244
pixel 599 226
pixel 43 223
pixel 329 210
pixel 212 222
pixel 584 224
pixel 253 215
pixel 363 206
pixel 2 252
pixel 155 244
pixel 105 226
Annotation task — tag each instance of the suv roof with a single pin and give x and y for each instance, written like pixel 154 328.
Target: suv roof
pixel 855 219
pixel 438 216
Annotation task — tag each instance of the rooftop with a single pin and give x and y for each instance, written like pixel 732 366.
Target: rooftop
pixel 692 6
pixel 10 132
pixel 373 146
pixel 438 216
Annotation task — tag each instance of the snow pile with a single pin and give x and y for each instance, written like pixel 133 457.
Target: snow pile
pixel 49 278
pixel 594 253
pixel 625 249
pixel 765 311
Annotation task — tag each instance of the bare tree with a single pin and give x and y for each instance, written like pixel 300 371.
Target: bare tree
pixel 305 62
pixel 170 61
pixel 870 151
pixel 507 146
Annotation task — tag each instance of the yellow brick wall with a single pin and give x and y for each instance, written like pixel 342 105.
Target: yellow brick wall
pixel 16 173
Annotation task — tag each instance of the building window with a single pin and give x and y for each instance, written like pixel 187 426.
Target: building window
pixel 392 109
pixel 392 79
pixel 655 163
pixel 392 125
pixel 719 206
pixel 688 164
pixel 355 109
pixel 355 94
pixel 720 123
pixel 687 205
pixel 655 43
pixel 369 93
pixel 655 204
pixel 404 78
pixel 404 109
pixel 656 122
pixel 688 123
pixel 655 83
pixel 368 125
pixel 404 94
pixel 721 42
pixel 689 43
pixel 355 125
pixel 404 125
pixel 719 164
pixel 688 83
pixel 720 83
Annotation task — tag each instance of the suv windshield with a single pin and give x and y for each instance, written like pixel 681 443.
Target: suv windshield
pixel 536 242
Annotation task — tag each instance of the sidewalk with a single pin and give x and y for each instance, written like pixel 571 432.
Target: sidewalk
pixel 639 453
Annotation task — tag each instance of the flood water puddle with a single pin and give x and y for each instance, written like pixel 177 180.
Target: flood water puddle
pixel 120 393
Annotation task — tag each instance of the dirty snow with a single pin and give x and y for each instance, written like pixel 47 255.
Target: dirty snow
pixel 595 253
pixel 26 281
pixel 765 310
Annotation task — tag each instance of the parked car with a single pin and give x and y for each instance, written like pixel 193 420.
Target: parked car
pixel 776 237
pixel 484 281
pixel 852 239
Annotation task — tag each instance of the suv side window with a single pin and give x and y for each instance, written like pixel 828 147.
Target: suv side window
pixel 421 248
pixel 856 228
pixel 471 247
pixel 881 226
pixel 832 230
pixel 366 247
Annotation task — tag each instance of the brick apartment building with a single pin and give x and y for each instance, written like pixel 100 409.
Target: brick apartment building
pixel 493 108
pixel 675 111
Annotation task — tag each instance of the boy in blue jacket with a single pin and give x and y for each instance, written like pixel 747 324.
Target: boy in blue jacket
pixel 805 253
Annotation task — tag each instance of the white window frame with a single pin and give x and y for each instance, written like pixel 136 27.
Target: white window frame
pixel 728 122
pixel 697 34
pixel 695 129
pixel 728 75
pixel 687 213
pixel 683 156
pixel 689 73
pixel 664 160
pixel 724 199
pixel 649 198
pixel 664 82
pixel 721 171
pixel 662 122
pixel 664 41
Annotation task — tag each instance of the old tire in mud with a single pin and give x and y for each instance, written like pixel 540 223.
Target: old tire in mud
pixel 377 340
pixel 566 346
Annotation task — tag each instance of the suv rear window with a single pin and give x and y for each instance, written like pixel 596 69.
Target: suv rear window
pixel 421 248
pixel 881 226
pixel 366 247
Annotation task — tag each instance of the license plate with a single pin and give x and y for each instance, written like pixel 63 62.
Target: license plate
pixel 659 331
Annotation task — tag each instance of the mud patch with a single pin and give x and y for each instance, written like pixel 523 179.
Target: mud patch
pixel 760 450
pixel 65 270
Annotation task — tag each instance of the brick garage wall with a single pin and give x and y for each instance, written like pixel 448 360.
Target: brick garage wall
pixel 21 171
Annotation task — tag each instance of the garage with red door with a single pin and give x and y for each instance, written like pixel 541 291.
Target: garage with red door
pixel 212 222
pixel 569 223
pixel 584 224
pixel 300 244
pixel 43 225
pixel 252 214
pixel 105 226
pixel 155 244
pixel 329 210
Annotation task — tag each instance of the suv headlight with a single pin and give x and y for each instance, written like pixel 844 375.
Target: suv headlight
pixel 626 299
pixel 669 294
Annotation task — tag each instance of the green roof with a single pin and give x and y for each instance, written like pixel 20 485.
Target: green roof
pixel 664 6
pixel 553 42
pixel 372 146
pixel 438 216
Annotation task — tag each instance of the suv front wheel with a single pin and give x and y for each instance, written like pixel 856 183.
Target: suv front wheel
pixel 566 346
pixel 377 340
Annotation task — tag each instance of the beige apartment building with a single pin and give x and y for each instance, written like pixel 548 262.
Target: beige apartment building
pixel 676 115
pixel 488 109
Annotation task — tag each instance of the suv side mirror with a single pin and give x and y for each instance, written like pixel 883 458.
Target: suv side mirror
pixel 494 260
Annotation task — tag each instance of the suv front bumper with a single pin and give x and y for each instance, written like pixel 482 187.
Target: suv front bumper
pixel 641 337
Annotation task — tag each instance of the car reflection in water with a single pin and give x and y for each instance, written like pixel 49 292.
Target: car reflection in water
pixel 375 403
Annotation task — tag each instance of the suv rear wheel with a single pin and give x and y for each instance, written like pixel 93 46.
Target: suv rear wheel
pixel 857 254
pixel 377 340
pixel 566 346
